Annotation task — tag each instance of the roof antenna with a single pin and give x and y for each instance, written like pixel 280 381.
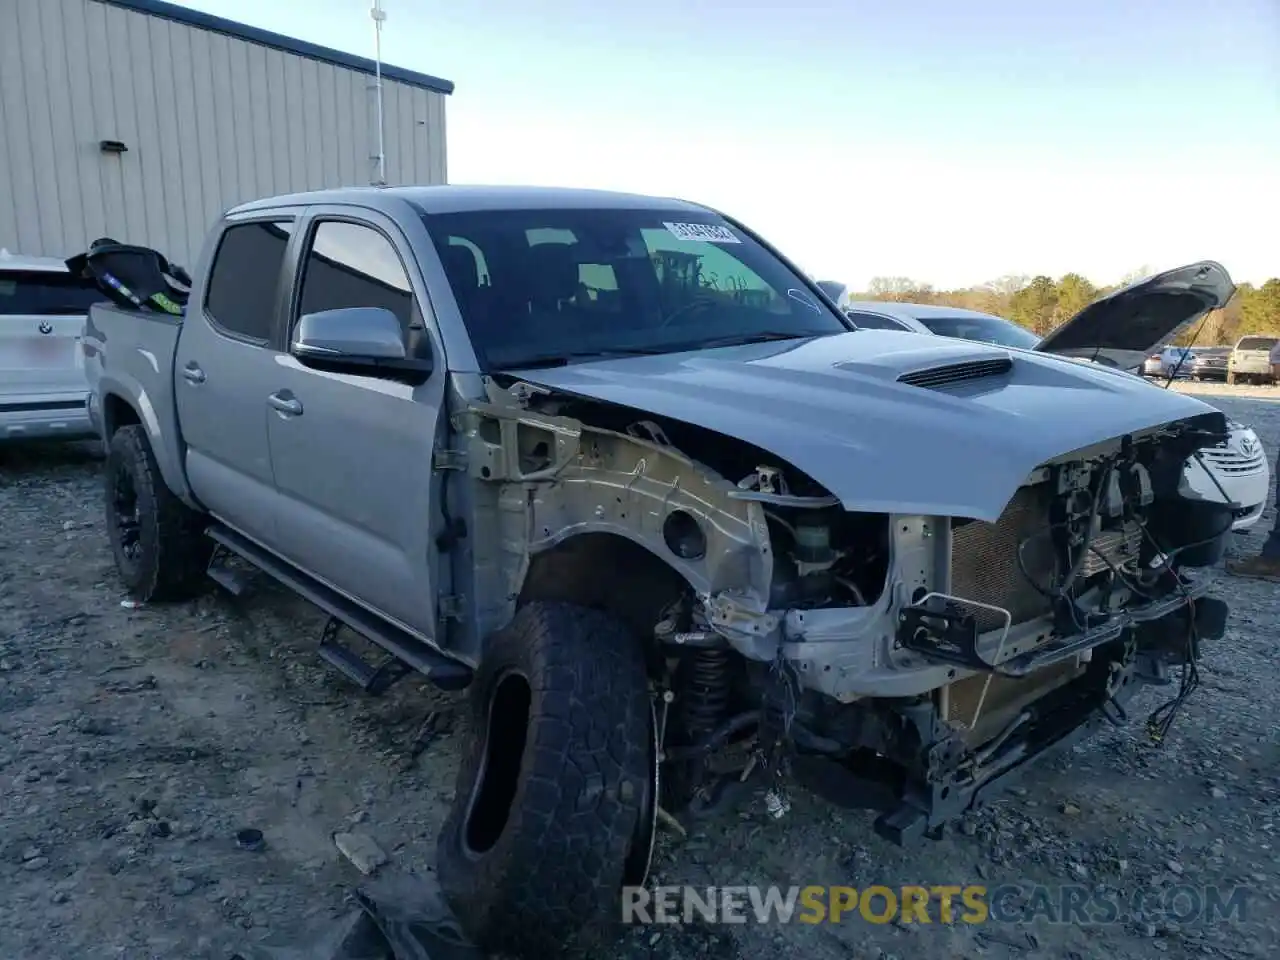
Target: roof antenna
pixel 379 16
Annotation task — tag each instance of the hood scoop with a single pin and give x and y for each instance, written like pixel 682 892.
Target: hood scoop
pixel 935 378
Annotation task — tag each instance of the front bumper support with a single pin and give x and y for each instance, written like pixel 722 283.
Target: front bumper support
pixel 949 634
pixel 920 803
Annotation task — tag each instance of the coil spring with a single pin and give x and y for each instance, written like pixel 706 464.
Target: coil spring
pixel 706 693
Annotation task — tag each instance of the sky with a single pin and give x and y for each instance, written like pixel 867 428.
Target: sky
pixel 950 141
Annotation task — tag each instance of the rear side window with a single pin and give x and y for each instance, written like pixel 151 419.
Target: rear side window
pixel 874 321
pixel 1257 343
pixel 245 279
pixel 44 294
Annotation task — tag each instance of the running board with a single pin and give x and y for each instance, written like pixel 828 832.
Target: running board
pixel 372 680
pixel 444 672
pixel 235 582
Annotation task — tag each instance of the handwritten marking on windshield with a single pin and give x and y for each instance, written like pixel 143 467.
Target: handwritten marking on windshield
pixel 799 296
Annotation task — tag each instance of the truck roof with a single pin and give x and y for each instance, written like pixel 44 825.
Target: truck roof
pixel 466 198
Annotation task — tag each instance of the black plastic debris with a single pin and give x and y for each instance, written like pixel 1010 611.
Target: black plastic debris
pixel 397 916
pixel 250 839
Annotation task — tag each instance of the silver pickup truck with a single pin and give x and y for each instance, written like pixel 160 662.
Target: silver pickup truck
pixel 613 463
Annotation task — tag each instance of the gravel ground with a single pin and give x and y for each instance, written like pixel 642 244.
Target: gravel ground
pixel 135 743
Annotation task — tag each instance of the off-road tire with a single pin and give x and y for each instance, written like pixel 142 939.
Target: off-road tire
pixel 574 794
pixel 172 552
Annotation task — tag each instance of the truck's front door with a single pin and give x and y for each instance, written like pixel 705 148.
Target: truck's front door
pixel 224 371
pixel 351 454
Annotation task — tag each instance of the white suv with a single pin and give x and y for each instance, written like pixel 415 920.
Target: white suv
pixel 43 390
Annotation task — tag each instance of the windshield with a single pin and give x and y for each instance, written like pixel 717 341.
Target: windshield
pixel 987 329
pixel 1257 343
pixel 536 285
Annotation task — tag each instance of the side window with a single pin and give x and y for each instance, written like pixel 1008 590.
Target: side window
pixel 245 279
pixel 874 321
pixel 352 265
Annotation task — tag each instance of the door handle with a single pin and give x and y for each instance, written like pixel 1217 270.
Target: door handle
pixel 192 374
pixel 286 405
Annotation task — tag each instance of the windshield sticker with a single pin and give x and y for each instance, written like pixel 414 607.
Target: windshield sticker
pixel 706 232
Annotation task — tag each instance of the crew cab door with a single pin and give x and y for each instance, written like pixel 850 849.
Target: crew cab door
pixel 224 370
pixel 351 452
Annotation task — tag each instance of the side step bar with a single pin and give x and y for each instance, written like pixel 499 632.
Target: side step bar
pixel 372 680
pixel 444 672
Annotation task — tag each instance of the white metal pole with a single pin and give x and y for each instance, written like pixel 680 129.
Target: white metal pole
pixel 379 15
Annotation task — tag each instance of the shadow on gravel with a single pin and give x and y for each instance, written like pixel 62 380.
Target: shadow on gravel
pixel 33 459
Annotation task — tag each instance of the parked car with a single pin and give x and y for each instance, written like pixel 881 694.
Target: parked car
pixel 1153 366
pixel 1177 362
pixel 43 389
pixel 1171 362
pixel 680 527
pixel 1210 363
pixel 1250 360
pixel 1236 471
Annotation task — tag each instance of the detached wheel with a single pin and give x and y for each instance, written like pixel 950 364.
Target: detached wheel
pixel 554 807
pixel 156 539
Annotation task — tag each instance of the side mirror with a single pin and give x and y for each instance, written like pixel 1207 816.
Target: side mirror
pixel 351 333
pixel 362 340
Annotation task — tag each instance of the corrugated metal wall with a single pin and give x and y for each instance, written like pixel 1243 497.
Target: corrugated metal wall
pixel 209 121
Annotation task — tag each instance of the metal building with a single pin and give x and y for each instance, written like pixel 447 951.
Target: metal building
pixel 144 121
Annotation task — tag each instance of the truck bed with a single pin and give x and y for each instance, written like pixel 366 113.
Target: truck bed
pixel 129 358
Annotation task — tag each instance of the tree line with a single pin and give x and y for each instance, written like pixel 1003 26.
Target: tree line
pixel 1041 303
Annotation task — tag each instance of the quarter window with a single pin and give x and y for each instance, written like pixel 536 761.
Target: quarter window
pixel 245 280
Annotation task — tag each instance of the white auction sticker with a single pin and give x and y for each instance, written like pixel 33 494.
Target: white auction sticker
pixel 707 232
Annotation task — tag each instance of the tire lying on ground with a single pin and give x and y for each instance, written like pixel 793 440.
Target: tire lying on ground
pixel 553 784
pixel 157 540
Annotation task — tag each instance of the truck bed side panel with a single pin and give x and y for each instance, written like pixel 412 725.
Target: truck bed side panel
pixel 129 362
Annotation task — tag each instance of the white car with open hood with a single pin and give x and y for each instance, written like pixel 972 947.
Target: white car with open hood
pixel 1235 471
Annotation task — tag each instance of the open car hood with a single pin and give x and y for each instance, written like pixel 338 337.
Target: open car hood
pixel 1124 327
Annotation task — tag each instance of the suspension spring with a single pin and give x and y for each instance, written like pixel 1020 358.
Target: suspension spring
pixel 706 692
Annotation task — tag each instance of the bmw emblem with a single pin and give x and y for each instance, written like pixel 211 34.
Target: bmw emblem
pixel 46 326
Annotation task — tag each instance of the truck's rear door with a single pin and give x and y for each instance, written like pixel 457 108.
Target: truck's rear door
pixel 224 370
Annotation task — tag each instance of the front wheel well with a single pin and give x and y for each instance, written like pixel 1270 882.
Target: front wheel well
pixel 604 571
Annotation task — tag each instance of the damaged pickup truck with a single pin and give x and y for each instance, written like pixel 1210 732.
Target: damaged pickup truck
pixel 613 463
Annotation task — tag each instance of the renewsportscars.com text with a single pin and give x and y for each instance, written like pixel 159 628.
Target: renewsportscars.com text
pixel 938 903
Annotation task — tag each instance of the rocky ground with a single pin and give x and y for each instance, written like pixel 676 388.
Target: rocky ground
pixel 135 744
